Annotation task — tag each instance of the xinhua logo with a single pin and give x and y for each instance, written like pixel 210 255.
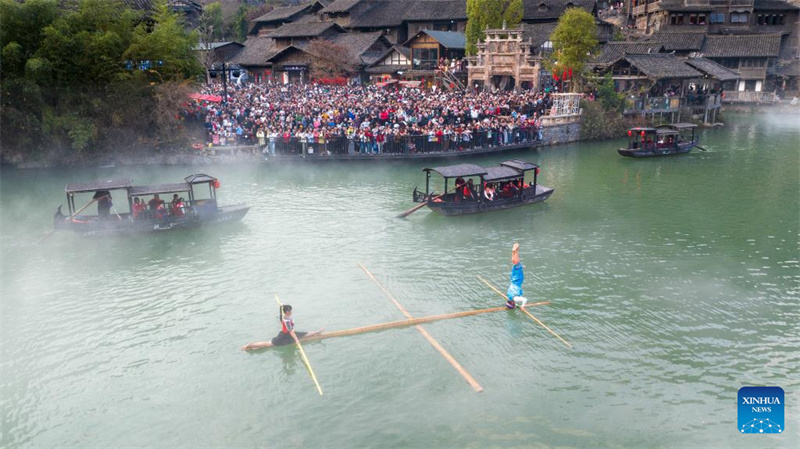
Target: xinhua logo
pixel 761 410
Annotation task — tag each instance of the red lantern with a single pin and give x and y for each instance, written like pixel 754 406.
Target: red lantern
pixel 216 183
pixel 630 133
pixel 537 170
pixel 642 133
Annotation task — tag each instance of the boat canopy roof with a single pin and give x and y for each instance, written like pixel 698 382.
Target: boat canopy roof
pixel 199 178
pixel 520 165
pixel 502 173
pixel 160 188
pixel 455 171
pixel 110 184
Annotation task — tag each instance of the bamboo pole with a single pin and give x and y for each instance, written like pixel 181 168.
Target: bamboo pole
pixel 302 353
pixel 470 380
pixel 526 312
pixel 44 237
pixel 409 322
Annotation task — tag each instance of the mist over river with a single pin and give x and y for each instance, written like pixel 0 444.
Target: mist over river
pixel 676 280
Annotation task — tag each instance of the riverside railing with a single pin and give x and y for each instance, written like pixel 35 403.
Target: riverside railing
pixel 406 144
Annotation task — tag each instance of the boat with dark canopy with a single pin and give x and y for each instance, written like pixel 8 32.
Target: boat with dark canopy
pixel 663 140
pixel 157 214
pixel 508 180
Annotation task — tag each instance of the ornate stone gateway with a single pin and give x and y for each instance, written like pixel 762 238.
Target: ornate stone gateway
pixel 504 61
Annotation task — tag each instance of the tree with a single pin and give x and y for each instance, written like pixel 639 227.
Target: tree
pixel 331 60
pixel 75 80
pixel 165 46
pixel 482 14
pixel 574 40
pixel 513 13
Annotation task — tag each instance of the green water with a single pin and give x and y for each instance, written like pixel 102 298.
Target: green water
pixel 676 280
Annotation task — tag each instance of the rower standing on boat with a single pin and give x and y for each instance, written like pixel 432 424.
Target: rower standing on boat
pixel 285 335
pixel 517 278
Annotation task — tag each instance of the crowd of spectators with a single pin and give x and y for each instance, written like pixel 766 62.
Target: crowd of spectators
pixel 297 118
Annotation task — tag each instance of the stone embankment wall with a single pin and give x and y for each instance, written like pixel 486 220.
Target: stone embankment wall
pixel 562 133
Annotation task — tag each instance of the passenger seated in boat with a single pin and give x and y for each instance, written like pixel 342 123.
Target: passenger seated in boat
pixel 138 207
pixel 177 206
pixel 649 143
pixel 284 337
pixel 488 192
pixel 469 190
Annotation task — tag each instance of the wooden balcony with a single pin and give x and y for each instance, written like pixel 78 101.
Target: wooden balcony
pixel 749 97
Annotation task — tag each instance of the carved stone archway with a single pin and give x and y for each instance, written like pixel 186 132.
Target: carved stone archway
pixel 504 54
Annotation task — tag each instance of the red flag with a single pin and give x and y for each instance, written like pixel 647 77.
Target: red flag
pixel 570 73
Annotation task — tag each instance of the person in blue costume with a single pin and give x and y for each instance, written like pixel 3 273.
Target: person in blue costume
pixel 514 292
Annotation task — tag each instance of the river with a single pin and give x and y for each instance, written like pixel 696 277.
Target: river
pixel 675 279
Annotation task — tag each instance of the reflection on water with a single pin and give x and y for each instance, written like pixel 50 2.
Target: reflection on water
pixel 675 279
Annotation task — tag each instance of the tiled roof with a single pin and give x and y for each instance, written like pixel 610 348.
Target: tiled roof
pixel 739 46
pixel 774 5
pixel 437 10
pixel 384 14
pixel 388 13
pixel 300 29
pixel 683 41
pixel 552 9
pixel 614 51
pixel 713 69
pixel 786 68
pixel 538 33
pixel 449 39
pixel 662 65
pixel 256 51
pixel 359 44
pixel 283 13
pixel 340 6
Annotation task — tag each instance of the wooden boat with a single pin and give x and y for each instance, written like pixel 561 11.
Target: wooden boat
pixel 509 173
pixel 199 210
pixel 663 140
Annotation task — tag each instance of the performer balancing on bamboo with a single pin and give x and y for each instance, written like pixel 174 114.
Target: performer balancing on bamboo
pixel 517 278
pixel 285 335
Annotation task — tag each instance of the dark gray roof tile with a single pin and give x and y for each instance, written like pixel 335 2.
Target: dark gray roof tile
pixel 662 65
pixel 713 69
pixel 742 46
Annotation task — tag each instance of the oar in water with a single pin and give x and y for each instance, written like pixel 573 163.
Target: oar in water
pixel 44 237
pixel 302 353
pixel 700 148
pixel 526 312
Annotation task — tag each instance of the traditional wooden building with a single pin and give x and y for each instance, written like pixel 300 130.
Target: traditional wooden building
pixel 392 64
pixel 749 55
pixel 428 46
pixel 266 24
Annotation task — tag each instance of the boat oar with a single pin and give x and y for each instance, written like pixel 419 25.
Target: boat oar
pixel 44 237
pixel 423 204
pixel 302 353
pixel 700 148
pixel 526 312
